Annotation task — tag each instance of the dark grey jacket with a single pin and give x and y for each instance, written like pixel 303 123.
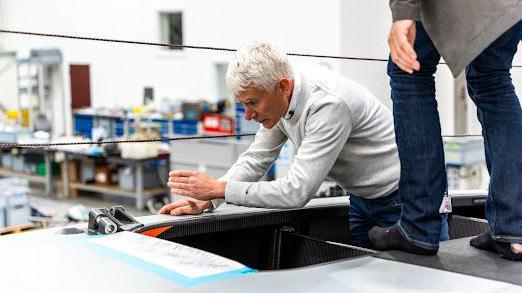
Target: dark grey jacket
pixel 460 29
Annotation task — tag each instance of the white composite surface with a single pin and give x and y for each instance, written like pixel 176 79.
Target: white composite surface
pixel 43 261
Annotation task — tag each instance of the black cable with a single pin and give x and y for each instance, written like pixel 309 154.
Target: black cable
pixel 186 46
pixel 112 141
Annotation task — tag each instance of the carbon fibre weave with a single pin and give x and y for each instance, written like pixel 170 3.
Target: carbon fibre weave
pixel 461 227
pixel 300 251
pixel 219 223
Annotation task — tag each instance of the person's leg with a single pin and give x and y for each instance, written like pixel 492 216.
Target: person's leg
pixel 386 211
pixel 444 228
pixel 423 177
pixel 499 112
pixel 360 221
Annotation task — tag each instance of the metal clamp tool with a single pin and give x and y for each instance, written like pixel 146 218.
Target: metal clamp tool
pixel 105 221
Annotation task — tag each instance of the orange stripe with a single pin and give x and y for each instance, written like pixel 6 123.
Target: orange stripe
pixel 155 232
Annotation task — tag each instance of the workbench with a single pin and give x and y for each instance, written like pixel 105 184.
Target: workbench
pixel 49 181
pixel 139 193
pixel 64 186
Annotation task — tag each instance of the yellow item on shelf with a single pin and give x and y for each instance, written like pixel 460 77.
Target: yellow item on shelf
pixel 12 114
pixel 137 110
pixel 25 117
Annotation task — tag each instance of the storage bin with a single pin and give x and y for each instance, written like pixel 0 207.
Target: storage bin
pixel 185 127
pixel 41 170
pixel 7 160
pixel 18 163
pixel 127 178
pixel 18 210
pixel 86 171
pixel 30 168
pixel 464 151
pixel 14 136
pixel 2 210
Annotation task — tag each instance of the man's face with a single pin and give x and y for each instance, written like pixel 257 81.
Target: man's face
pixel 266 107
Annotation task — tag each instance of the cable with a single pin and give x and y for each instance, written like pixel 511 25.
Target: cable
pixel 187 46
pixel 112 141
pixel 172 45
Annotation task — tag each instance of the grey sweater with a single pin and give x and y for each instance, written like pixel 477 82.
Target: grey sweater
pixel 460 29
pixel 340 131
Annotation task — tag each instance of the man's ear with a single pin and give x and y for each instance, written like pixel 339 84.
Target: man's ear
pixel 286 86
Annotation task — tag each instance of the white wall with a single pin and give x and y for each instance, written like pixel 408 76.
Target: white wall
pixel 8 87
pixel 119 71
pixel 364 28
pixel 2 11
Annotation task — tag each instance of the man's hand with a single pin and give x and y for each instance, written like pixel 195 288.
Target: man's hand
pixel 401 40
pixel 186 206
pixel 196 185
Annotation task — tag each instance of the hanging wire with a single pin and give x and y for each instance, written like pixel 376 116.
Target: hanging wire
pixel 178 46
pixel 144 140
pixel 115 141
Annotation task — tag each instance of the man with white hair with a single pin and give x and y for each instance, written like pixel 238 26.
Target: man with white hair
pixel 340 130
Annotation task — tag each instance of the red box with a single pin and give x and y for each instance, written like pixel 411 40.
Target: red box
pixel 218 124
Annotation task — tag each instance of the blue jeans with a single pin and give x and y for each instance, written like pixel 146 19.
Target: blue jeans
pixel 417 128
pixel 367 213
pixel 383 212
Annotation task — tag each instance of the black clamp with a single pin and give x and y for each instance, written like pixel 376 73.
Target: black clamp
pixel 105 221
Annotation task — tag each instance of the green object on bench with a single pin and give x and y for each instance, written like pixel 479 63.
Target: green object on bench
pixel 41 170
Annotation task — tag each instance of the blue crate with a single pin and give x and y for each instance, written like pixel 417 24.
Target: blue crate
pixel 119 129
pixel 164 126
pixel 83 125
pixel 185 127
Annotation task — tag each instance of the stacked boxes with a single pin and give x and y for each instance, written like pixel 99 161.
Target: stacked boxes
pixel 7 160
pixel 464 151
pixel 465 163
pixel 185 127
pixel 2 211
pixel 127 177
pixel 14 194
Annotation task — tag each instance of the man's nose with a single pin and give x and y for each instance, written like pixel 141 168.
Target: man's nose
pixel 249 114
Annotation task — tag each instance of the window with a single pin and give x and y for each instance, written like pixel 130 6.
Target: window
pixel 171 28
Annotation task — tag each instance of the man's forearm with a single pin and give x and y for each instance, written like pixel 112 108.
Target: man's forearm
pixel 405 9
pixel 221 186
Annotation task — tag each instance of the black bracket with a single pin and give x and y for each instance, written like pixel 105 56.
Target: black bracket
pixel 108 221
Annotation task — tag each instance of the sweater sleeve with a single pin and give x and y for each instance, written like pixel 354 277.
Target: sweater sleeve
pixel 405 9
pixel 324 138
pixel 253 164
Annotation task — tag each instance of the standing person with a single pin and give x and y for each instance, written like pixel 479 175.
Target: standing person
pixel 481 36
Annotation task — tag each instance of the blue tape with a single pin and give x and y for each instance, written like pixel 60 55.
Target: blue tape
pixel 156 269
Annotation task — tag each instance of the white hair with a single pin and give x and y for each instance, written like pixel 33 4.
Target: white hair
pixel 259 65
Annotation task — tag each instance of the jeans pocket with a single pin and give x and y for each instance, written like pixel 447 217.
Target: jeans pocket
pixel 394 204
